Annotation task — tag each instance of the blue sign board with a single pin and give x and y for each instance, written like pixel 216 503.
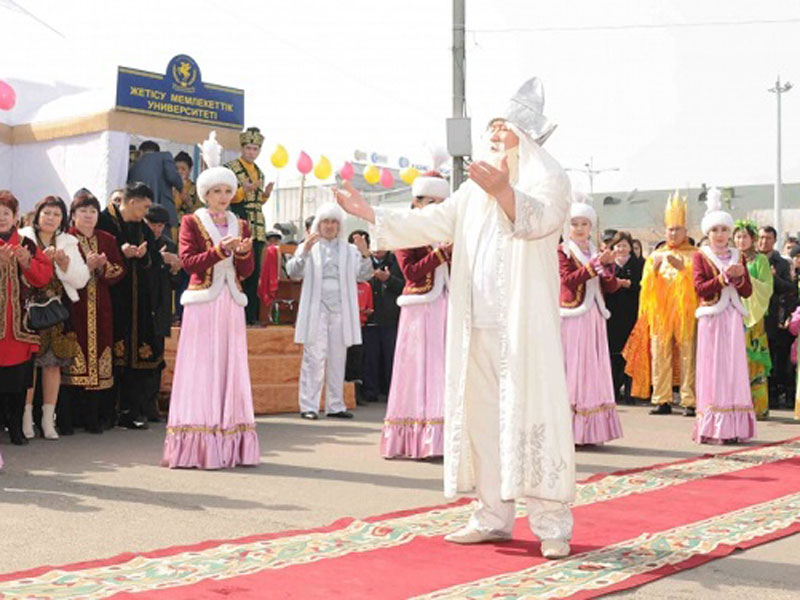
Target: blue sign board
pixel 180 94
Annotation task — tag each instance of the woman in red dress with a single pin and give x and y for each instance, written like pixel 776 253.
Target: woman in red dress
pixel 22 266
pixel 90 378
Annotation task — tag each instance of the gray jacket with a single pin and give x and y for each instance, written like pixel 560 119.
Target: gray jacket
pixel 158 170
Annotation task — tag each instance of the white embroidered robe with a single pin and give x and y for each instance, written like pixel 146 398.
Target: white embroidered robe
pixel 536 443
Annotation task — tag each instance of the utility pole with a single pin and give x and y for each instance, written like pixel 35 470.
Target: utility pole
pixel 459 82
pixel 589 170
pixel 778 90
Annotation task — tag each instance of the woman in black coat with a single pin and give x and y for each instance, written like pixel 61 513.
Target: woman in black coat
pixel 624 308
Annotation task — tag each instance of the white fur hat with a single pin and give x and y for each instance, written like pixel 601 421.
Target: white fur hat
pixel 215 176
pixel 580 207
pixel 714 214
pixel 329 210
pixel 430 185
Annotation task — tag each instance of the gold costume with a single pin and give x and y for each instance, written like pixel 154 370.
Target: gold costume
pixel 667 323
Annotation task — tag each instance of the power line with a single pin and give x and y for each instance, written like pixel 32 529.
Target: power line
pixel 11 5
pixel 637 26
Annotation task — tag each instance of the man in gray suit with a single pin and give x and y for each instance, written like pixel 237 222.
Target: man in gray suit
pixel 157 169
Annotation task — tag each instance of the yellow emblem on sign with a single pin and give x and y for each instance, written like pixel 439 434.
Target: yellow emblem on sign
pixel 184 73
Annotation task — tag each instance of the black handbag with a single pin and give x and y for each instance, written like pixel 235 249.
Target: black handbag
pixel 44 312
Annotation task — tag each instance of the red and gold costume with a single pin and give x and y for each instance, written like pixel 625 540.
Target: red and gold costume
pixel 418 266
pixel 199 254
pixel 92 316
pixel 574 276
pixel 18 344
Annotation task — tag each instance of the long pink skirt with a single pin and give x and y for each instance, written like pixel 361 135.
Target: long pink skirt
pixel 724 403
pixel 414 423
pixel 211 423
pixel 588 369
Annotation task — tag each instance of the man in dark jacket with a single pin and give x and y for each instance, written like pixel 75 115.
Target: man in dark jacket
pixel 138 351
pixel 158 170
pixel 166 281
pixel 380 332
pixel 781 305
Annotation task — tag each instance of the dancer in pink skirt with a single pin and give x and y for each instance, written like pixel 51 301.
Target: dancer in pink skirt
pixel 211 423
pixel 414 423
pixel 585 277
pixel 725 411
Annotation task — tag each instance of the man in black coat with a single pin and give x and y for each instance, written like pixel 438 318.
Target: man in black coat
pixel 380 332
pixel 138 350
pixel 781 305
pixel 158 170
pixel 166 281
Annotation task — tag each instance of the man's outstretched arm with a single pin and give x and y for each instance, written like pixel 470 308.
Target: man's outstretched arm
pixel 394 229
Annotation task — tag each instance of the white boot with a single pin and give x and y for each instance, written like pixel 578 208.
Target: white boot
pixel 48 421
pixel 27 422
pixel 555 549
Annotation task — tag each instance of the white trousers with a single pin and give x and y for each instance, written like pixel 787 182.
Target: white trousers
pixel 548 519
pixel 324 359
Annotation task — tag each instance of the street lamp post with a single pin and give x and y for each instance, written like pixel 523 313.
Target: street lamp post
pixel 591 172
pixel 778 90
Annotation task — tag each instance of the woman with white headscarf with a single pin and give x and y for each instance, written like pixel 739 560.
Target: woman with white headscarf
pixel 585 277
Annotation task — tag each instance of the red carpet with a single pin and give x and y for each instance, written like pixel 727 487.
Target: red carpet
pixel 631 528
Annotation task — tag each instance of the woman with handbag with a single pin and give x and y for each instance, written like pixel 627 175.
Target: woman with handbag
pixel 58 345
pixel 88 382
pixel 22 266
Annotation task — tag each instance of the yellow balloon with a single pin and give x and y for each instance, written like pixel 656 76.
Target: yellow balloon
pixel 279 158
pixel 372 174
pixel 323 169
pixel 408 175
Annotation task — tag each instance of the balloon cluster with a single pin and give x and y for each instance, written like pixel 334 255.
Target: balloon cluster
pixel 373 174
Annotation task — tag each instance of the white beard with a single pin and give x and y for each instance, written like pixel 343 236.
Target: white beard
pixel 495 158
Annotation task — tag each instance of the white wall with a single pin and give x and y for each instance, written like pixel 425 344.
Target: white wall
pixel 97 161
pixel 5 166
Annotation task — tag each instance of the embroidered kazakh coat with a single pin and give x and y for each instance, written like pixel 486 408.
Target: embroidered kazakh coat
pixel 92 320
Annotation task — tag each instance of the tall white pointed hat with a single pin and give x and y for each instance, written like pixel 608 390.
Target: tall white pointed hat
pixel 525 110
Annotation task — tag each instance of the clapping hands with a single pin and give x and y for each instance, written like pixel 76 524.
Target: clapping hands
pixel 131 251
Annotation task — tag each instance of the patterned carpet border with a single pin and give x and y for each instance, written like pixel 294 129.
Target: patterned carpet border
pixel 639 560
pixel 219 560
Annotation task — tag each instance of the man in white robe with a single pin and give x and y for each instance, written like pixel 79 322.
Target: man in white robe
pixel 327 319
pixel 508 424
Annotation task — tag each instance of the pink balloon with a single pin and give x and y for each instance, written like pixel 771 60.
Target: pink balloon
pixel 387 179
pixel 8 97
pixel 304 163
pixel 347 172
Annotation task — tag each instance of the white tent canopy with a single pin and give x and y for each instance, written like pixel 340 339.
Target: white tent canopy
pixel 63 133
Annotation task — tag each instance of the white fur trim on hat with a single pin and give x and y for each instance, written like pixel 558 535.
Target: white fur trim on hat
pixel 581 209
pixel 215 176
pixel 714 218
pixel 430 187
pixel 714 213
pixel 329 210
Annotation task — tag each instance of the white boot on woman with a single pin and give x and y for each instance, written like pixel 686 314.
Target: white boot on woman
pixel 48 422
pixel 27 422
